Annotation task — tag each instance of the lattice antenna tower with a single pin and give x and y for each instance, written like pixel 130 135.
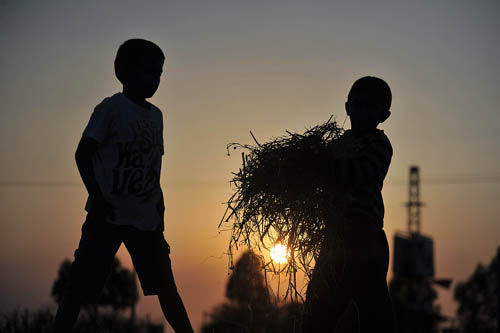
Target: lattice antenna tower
pixel 414 202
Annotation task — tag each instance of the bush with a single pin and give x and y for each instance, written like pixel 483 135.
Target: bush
pixel 40 321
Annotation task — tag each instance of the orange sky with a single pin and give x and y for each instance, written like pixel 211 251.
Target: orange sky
pixel 233 67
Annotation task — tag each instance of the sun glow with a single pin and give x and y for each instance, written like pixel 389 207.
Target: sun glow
pixel 279 254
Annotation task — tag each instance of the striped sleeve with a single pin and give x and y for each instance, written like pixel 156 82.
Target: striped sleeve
pixel 363 162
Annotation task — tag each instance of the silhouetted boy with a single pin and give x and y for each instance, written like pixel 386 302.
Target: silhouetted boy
pixel 352 265
pixel 119 159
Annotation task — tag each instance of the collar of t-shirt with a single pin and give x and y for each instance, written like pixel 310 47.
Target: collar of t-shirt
pixel 146 108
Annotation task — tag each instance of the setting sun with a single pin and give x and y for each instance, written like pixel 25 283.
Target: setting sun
pixel 279 253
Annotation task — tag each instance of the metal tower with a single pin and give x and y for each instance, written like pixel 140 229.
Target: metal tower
pixel 413 252
pixel 413 265
pixel 414 202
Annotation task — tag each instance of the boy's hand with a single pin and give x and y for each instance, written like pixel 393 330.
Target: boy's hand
pixel 100 209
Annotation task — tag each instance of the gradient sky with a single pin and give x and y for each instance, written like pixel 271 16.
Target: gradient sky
pixel 232 67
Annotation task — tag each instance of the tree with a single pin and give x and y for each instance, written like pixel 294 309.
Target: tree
pixel 478 298
pixel 120 290
pixel 413 300
pixel 248 307
pixel 247 286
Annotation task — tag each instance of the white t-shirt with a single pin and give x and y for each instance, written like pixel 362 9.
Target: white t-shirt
pixel 127 164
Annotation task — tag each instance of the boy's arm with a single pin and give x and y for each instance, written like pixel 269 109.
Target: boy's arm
pixel 87 147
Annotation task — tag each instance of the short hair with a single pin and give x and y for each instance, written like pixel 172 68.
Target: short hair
pixel 131 52
pixel 372 90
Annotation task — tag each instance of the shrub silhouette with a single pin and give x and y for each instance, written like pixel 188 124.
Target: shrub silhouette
pixel 478 299
pixel 120 290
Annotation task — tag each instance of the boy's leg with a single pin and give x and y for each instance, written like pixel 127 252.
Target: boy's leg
pixel 322 313
pixel 151 257
pixel 88 274
pixel 67 312
pixel 370 292
pixel 328 293
pixel 174 310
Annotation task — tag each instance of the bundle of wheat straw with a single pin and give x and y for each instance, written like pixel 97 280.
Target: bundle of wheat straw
pixel 284 194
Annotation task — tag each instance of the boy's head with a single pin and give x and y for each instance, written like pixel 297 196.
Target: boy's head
pixel 139 65
pixel 368 102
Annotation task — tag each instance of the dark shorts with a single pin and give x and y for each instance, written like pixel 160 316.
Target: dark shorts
pixel 98 245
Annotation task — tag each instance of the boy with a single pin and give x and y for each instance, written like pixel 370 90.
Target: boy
pixel 349 278
pixel 119 160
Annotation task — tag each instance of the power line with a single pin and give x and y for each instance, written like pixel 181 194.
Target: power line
pixel 41 183
pixel 436 180
pixel 457 180
pixel 38 183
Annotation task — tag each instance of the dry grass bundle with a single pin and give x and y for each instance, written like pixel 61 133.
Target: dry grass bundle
pixel 284 194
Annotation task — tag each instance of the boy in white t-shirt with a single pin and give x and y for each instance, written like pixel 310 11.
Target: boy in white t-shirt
pixel 119 160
